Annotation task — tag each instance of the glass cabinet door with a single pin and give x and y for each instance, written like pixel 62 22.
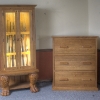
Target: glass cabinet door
pixel 18 33
pixel 25 38
pixel 10 25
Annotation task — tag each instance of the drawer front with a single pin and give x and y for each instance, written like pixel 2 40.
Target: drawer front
pixel 75 62
pixel 66 78
pixel 72 45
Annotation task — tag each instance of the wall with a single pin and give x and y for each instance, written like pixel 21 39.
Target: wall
pixel 57 17
pixel 60 17
pixel 44 62
pixel 94 18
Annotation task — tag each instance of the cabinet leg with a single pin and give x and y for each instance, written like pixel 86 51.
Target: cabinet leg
pixel 5 85
pixel 33 79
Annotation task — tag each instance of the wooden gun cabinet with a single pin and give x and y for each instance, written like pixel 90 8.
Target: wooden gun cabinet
pixel 18 51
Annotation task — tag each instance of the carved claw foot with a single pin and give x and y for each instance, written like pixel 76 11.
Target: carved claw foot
pixel 5 92
pixel 5 85
pixel 33 88
pixel 33 79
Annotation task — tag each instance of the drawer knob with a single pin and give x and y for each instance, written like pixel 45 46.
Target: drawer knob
pixel 87 63
pixel 65 79
pixel 86 79
pixel 86 46
pixel 64 46
pixel 64 63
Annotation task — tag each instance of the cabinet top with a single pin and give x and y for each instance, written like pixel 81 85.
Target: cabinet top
pixel 18 5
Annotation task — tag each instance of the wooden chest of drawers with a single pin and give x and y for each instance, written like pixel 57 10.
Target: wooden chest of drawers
pixel 75 63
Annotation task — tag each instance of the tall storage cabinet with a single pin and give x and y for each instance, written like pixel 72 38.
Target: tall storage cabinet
pixel 75 63
pixel 17 42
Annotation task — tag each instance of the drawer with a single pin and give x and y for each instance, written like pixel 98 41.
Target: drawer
pixel 72 78
pixel 75 57
pixel 75 65
pixel 72 62
pixel 72 45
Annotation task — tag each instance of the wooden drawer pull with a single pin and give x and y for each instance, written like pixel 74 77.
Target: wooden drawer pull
pixel 64 46
pixel 87 63
pixel 64 63
pixel 65 80
pixel 86 79
pixel 86 46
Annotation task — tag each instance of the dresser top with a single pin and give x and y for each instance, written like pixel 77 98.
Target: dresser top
pixel 74 36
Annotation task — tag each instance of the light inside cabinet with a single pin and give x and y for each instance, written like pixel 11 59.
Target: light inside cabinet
pixel 10 22
pixel 25 38
pixel 10 39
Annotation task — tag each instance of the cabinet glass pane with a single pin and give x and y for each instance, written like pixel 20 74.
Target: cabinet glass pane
pixel 10 39
pixel 25 38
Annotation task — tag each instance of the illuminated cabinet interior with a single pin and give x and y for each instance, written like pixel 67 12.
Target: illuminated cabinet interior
pixel 18 53
pixel 11 39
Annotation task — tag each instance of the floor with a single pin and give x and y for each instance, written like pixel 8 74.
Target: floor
pixel 46 93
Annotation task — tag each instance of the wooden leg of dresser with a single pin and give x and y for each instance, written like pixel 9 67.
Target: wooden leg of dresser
pixel 33 79
pixel 5 85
